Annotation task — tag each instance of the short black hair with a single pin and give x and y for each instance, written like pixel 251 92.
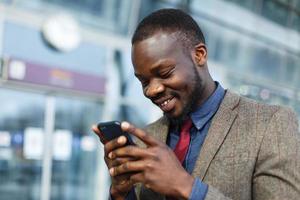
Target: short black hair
pixel 172 20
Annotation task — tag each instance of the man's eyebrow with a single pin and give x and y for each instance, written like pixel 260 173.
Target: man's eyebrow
pixel 159 64
pixel 156 66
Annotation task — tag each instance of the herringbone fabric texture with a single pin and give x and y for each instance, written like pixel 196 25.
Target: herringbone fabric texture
pixel 251 152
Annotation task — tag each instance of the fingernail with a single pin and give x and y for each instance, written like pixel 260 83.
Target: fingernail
pixel 111 171
pixel 121 140
pixel 125 125
pixel 110 155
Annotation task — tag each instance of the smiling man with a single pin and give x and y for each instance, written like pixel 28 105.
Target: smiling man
pixel 210 143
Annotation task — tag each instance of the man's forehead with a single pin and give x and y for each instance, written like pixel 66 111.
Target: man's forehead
pixel 161 36
pixel 160 41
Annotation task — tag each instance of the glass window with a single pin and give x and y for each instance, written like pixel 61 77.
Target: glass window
pixel 275 12
pixel 296 21
pixel 298 5
pixel 230 53
pixel 287 2
pixel 93 6
pixel 112 15
pixel 148 6
pixel 87 58
pixel 75 148
pixel 21 132
pixel 6 1
pixel 291 68
pixel 265 62
pixel 75 158
pixel 249 4
pixel 219 47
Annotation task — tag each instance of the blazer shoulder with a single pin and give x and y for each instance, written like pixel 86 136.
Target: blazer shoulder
pixel 257 113
pixel 263 110
pixel 155 126
pixel 263 114
pixel 245 105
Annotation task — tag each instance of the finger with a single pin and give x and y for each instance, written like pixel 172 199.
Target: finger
pixel 139 133
pixel 137 178
pixel 119 161
pixel 110 145
pixel 114 144
pixel 127 167
pixel 130 151
pixel 98 133
pixel 123 187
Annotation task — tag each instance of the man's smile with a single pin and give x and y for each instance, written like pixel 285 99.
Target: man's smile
pixel 168 104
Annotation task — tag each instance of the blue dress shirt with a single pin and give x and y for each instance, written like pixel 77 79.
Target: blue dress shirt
pixel 201 118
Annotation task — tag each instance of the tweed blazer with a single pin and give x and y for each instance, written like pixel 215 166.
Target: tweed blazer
pixel 251 152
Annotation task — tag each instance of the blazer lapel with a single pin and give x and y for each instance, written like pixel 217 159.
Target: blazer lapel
pixel 159 129
pixel 217 132
pixel 163 129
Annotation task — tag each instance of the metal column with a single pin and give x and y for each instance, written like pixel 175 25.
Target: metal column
pixel 47 157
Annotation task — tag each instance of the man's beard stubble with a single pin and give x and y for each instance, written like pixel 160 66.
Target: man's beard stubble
pixel 191 104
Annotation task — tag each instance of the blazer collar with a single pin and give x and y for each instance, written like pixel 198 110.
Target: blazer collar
pixel 219 128
pixel 159 129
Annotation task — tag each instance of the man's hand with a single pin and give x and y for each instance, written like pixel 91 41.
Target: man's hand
pixel 156 166
pixel 121 184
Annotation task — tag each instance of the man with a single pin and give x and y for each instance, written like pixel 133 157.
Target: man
pixel 231 147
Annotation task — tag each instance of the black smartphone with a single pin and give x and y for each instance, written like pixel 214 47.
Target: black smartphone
pixel 111 130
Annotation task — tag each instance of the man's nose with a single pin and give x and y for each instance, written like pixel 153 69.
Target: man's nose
pixel 154 88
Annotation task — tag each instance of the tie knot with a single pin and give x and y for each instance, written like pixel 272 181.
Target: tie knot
pixel 187 125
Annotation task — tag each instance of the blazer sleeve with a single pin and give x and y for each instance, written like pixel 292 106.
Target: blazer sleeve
pixel 277 171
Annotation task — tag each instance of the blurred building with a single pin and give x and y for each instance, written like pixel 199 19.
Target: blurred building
pixel 65 65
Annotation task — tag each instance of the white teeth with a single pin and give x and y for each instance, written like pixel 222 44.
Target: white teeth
pixel 165 102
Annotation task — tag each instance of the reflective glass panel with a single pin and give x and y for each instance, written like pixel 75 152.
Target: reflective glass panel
pixel 93 6
pixel 297 5
pixel 21 145
pixel 75 155
pixel 86 58
pixel 275 12
pixel 290 70
pixel 296 21
pixel 249 4
pixel 265 62
pixel 112 15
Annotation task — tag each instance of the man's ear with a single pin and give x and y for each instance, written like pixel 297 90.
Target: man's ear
pixel 200 54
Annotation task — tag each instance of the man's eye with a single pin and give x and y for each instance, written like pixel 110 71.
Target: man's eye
pixel 166 74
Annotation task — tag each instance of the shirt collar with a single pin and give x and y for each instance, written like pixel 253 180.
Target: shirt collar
pixel 206 111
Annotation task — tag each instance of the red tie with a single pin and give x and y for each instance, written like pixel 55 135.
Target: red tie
pixel 183 144
pixel 184 140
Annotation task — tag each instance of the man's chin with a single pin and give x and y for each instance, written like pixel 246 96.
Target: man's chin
pixel 176 120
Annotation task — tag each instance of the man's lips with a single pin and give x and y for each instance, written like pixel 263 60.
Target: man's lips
pixel 167 104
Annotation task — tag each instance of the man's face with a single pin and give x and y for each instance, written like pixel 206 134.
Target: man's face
pixel 168 74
